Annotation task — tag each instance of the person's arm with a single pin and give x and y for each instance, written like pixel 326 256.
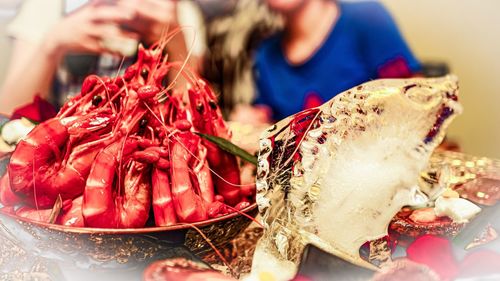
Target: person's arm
pixel 33 65
pixel 30 72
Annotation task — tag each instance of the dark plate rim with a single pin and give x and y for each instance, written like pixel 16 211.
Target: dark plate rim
pixel 124 231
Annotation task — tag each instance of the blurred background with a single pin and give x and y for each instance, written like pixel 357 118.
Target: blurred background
pixel 465 35
pixel 462 35
pixel 7 12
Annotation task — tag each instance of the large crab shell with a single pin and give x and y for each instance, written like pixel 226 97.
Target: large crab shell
pixel 334 176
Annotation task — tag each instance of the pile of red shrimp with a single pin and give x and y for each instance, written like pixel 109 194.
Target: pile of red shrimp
pixel 124 149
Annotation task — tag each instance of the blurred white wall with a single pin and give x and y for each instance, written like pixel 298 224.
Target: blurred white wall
pixel 466 35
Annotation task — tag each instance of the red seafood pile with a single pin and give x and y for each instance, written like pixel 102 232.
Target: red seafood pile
pixel 123 145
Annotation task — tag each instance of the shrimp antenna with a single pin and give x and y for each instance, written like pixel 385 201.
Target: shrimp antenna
pixel 213 247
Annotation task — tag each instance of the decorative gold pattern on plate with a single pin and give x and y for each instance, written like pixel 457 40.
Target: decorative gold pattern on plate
pixel 40 244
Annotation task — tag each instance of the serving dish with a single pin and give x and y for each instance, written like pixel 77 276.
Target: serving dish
pixel 101 250
pixel 80 251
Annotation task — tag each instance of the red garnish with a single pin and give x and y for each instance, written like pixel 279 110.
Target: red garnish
pixel 39 110
pixel 301 278
pixel 436 253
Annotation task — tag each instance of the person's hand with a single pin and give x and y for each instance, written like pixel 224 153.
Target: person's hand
pixel 86 29
pixel 151 18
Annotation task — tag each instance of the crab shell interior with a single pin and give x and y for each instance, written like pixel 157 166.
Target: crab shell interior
pixel 338 182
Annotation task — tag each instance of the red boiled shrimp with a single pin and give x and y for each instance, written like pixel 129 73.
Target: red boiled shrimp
pixel 72 213
pixel 122 207
pixel 44 165
pixel 41 215
pixel 204 177
pixel 163 203
pixel 7 197
pixel 188 205
pixel 207 119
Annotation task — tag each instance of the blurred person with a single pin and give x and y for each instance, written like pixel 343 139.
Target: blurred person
pixel 234 29
pixel 56 44
pixel 326 47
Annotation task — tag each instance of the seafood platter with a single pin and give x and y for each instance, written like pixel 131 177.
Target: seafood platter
pixel 133 179
pixel 123 175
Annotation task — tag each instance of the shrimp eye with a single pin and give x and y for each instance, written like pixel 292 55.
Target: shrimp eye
pixel 96 100
pixel 144 73
pixel 213 104
pixel 164 82
pixel 199 108
pixel 143 123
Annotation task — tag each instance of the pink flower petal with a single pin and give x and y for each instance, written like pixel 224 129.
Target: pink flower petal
pixel 436 253
pixel 480 263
